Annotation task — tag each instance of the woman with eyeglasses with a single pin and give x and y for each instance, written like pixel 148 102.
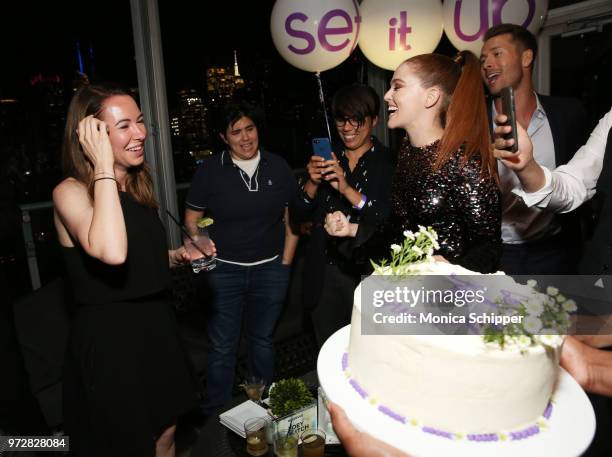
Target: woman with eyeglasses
pixel 446 175
pixel 356 184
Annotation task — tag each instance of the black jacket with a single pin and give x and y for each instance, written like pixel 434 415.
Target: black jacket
pixel 597 258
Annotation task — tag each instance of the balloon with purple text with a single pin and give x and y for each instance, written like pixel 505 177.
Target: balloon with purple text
pixel 395 30
pixel 466 21
pixel 315 35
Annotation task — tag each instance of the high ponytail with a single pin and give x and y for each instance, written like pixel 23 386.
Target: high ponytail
pixel 463 110
pixel 467 122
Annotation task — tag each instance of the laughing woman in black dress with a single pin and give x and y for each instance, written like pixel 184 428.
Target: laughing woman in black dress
pixel 127 378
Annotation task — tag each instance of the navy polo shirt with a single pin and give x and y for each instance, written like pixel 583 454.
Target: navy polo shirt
pixel 248 212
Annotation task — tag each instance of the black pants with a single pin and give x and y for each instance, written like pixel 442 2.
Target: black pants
pixel 542 257
pixel 335 304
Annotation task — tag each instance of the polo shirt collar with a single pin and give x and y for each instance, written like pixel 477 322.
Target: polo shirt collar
pixel 226 158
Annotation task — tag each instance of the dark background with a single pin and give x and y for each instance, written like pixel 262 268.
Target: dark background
pixel 39 64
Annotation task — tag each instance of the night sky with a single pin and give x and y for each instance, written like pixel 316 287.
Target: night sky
pixel 42 39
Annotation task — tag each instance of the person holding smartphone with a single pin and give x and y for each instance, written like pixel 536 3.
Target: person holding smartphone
pixel 568 186
pixel 354 181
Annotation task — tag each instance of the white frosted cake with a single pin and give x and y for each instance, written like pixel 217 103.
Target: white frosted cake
pixel 452 384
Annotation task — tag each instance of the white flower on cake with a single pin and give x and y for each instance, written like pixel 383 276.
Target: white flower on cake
pixel 523 341
pixel 569 306
pixel 542 314
pixel 551 340
pixel 532 324
pixel 408 234
pixel 415 248
pixel 418 250
pixel 538 312
pixel 534 306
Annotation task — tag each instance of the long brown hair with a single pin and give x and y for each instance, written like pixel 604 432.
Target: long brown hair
pixel 89 99
pixel 463 113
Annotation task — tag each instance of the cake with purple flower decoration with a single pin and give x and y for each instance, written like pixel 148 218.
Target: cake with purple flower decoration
pixel 456 386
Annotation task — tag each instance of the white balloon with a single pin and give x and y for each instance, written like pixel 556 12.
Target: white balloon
pixel 395 30
pixel 315 35
pixel 466 21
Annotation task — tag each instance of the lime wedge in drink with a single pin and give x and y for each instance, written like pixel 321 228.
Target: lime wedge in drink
pixel 205 222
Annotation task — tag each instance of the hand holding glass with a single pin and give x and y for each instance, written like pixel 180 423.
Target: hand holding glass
pixel 199 247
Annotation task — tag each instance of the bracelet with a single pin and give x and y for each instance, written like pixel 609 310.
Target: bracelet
pixel 362 203
pixel 104 177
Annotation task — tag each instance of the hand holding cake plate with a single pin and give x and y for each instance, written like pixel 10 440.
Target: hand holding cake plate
pixel 568 430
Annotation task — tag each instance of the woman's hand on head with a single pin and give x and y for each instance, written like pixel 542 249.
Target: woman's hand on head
pixel 93 136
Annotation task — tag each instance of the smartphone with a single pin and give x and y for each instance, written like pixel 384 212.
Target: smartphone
pixel 322 147
pixel 507 96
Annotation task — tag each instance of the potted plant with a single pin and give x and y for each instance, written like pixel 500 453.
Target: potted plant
pixel 289 395
pixel 293 407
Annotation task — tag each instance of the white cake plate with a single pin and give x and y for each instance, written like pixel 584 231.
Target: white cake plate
pixel 569 431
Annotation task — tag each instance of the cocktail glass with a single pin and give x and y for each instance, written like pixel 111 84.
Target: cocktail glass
pixel 199 247
pixel 254 387
pixel 255 433
pixel 313 443
pixel 285 444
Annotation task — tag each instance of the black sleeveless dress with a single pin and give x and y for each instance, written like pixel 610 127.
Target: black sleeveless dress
pixel 127 377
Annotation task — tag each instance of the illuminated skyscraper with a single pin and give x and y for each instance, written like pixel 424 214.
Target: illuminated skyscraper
pixel 221 82
pixel 190 138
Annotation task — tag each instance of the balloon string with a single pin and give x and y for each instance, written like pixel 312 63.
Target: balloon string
pixel 322 100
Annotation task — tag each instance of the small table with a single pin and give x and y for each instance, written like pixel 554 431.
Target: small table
pixel 216 440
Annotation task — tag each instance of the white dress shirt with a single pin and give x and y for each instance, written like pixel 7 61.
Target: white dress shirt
pixel 520 222
pixel 570 185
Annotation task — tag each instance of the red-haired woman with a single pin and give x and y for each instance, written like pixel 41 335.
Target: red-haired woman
pixel 446 175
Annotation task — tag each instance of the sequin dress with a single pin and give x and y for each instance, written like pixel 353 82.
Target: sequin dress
pixel 463 207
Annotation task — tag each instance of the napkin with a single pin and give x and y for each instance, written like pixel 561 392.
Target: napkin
pixel 235 418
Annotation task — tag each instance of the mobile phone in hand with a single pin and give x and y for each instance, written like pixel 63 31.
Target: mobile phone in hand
pixel 508 108
pixel 322 147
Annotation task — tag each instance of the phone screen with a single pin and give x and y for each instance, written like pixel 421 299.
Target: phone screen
pixel 507 96
pixel 322 147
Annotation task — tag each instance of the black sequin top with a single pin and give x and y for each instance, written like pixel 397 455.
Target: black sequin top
pixel 463 207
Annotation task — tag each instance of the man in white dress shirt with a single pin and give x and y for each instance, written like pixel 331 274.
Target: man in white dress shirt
pixel 567 187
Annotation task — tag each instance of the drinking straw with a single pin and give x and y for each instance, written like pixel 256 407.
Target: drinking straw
pixel 186 233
